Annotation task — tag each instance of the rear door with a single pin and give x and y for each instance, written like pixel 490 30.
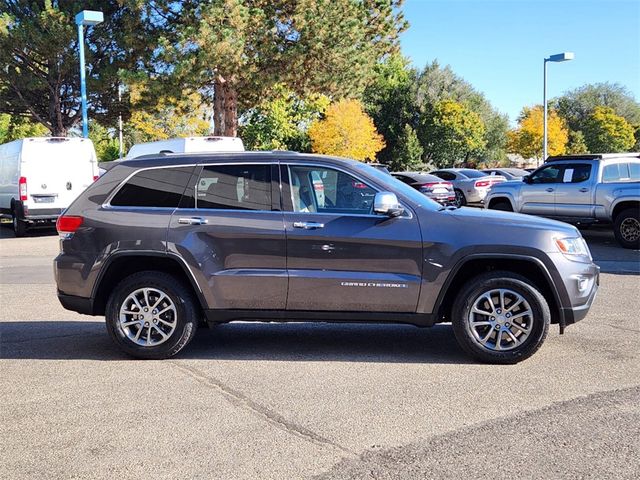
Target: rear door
pixel 574 196
pixel 341 256
pixel 57 170
pixel 229 229
pixel 538 196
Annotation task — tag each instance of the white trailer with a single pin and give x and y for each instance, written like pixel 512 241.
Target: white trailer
pixel 40 177
pixel 187 145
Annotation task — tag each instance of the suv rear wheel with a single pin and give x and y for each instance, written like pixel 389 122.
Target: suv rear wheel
pixel 500 317
pixel 151 315
pixel 627 228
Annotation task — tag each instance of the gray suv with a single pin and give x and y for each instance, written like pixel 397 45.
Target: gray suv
pixel 163 243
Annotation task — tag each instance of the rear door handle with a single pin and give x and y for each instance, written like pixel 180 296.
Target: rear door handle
pixel 584 189
pixel 193 221
pixel 549 189
pixel 308 225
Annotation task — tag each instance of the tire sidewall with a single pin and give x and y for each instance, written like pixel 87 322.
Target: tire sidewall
pixel 461 200
pixel 185 312
pixel 468 296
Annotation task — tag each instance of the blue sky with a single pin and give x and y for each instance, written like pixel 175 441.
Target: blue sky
pixel 499 46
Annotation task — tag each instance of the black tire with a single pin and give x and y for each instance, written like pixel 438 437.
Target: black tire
pixel 503 205
pixel 19 226
pixel 538 321
pixel 461 200
pixel 627 228
pixel 186 315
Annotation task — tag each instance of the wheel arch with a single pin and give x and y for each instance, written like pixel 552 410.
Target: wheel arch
pixel 121 265
pixel 623 204
pixel 530 267
pixel 500 199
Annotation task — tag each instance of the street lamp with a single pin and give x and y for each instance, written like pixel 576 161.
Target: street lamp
pixel 85 17
pixel 559 57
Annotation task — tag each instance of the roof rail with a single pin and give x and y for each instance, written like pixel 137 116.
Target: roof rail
pixel 592 156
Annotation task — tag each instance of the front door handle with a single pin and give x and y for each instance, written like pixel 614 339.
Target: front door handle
pixel 193 221
pixel 584 189
pixel 549 189
pixel 308 225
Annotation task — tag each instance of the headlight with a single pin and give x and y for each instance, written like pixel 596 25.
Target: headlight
pixel 573 247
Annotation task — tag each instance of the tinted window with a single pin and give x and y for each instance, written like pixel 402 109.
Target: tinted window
pixel 549 174
pixel 324 190
pixel 235 187
pixel 634 171
pixel 444 175
pixel 158 187
pixel 467 172
pixel 576 173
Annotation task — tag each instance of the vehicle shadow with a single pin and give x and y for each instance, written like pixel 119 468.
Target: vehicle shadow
pixel 6 231
pixel 610 256
pixel 242 341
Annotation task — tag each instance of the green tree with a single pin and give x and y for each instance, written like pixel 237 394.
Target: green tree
pixel 604 131
pixel 407 151
pixel 39 77
pixel 577 143
pixel 435 84
pixel 104 142
pixel 576 106
pixel 236 51
pixel 389 100
pixel 15 127
pixel 282 122
pixel 451 134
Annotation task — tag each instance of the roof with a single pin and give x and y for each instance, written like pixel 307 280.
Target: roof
pixel 593 156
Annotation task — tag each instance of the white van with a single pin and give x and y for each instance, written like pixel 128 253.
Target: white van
pixel 187 145
pixel 40 177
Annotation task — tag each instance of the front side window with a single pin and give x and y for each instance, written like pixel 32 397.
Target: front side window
pixel 325 190
pixel 576 173
pixel 234 187
pixel 157 187
pixel 549 174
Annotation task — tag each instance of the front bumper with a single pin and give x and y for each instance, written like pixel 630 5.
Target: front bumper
pixel 576 313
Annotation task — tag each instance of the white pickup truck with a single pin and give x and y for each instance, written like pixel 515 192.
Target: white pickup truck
pixel 579 189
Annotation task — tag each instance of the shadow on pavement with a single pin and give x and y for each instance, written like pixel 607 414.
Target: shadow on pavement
pixel 610 256
pixel 6 231
pixel 77 340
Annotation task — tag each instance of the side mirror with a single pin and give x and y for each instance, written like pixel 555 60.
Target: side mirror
pixel 386 203
pixel 526 179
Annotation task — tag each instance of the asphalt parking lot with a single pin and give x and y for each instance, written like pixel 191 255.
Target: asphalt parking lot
pixel 292 401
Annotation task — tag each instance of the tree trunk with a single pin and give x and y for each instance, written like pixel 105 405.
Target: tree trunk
pixel 225 108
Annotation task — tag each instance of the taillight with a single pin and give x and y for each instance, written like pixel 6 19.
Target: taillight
pixel 96 177
pixel 482 183
pixel 436 184
pixel 67 225
pixel 23 189
pixel 360 185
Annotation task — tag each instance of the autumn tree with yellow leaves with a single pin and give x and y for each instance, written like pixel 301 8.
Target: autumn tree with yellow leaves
pixel 346 131
pixel 526 140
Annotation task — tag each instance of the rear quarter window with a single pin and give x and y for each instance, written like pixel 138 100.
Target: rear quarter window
pixel 157 187
pixel 621 172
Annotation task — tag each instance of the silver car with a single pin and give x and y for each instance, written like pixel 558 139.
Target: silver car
pixel 433 187
pixel 470 186
pixel 508 173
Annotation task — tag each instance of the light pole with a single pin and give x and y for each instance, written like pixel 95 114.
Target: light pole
pixel 558 57
pixel 85 17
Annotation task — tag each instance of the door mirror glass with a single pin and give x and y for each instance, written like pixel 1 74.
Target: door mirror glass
pixel 386 203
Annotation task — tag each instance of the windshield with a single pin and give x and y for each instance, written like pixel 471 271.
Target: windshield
pixel 467 172
pixel 400 187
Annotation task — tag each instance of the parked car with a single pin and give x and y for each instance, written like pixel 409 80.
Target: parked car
pixel 187 145
pixel 507 173
pixel 470 186
pixel 158 244
pixel 580 189
pixel 433 187
pixel 41 176
pixel 380 166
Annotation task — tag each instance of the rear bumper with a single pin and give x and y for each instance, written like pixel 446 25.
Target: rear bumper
pixel 76 304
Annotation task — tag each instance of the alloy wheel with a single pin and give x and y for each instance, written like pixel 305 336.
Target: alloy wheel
pixel 500 320
pixel 148 317
pixel 630 229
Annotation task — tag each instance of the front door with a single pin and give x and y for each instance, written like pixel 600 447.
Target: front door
pixel 229 229
pixel 340 256
pixel 538 196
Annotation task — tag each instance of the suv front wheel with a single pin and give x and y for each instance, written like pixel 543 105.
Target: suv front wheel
pixel 151 315
pixel 500 317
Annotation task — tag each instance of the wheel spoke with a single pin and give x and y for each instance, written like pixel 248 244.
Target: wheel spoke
pixel 502 299
pixel 498 338
pixel 514 305
pixel 135 300
pixel 485 339
pixel 521 328
pixel 132 322
pixel 480 312
pixel 160 298
pixel 145 292
pixel 137 337
pixel 513 337
pixel 164 335
pixel 481 323
pixel 166 323
pixel 520 315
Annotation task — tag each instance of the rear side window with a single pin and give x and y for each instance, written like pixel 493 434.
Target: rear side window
pixel 621 172
pixel 234 187
pixel 157 187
